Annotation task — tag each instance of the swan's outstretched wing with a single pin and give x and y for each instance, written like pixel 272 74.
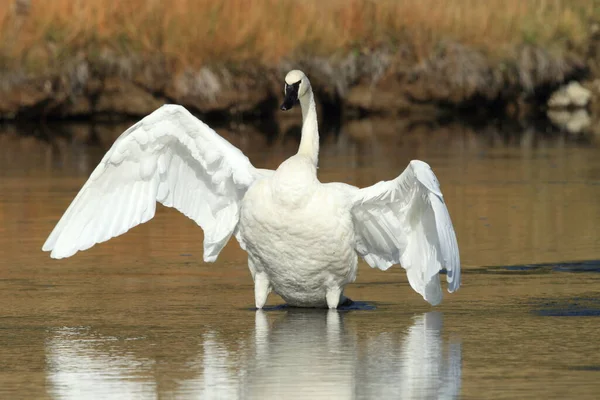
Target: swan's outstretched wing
pixel 169 156
pixel 405 221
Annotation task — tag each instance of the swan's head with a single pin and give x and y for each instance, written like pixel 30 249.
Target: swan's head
pixel 296 86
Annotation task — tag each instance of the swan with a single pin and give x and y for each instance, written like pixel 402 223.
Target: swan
pixel 302 236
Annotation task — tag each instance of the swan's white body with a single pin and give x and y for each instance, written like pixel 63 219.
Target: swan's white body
pixel 302 236
pixel 299 236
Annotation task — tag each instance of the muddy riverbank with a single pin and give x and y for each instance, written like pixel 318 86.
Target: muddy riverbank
pixel 87 61
pixel 387 81
pixel 425 58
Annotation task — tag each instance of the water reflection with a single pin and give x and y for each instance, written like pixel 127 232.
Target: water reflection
pixel 295 354
pixel 302 354
pixel 418 364
pixel 81 145
pixel 77 368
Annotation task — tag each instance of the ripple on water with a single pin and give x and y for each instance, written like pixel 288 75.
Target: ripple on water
pixel 572 266
pixel 568 307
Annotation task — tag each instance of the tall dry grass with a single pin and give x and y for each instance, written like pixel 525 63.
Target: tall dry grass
pixel 196 32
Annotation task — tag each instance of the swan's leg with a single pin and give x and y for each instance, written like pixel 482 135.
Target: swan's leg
pixel 333 297
pixel 262 287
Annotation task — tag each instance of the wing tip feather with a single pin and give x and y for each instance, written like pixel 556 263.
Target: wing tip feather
pixel 435 302
pixel 210 258
pixel 57 255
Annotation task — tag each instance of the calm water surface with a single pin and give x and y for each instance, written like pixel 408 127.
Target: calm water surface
pixel 143 317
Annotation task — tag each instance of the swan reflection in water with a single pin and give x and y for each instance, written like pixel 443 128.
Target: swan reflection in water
pixel 295 354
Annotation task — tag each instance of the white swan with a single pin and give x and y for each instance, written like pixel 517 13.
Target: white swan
pixel 301 236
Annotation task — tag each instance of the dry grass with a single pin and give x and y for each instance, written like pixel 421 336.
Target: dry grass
pixel 197 32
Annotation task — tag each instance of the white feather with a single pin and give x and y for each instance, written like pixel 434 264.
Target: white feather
pixel 171 157
pixel 405 221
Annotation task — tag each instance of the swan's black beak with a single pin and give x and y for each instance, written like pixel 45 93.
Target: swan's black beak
pixel 291 96
pixel 287 104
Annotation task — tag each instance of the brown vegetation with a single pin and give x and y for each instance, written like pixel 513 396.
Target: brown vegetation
pixel 40 34
pixel 80 58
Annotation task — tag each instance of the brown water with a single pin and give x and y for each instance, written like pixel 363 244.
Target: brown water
pixel 143 317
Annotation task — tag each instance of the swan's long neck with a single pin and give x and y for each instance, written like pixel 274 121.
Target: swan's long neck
pixel 309 143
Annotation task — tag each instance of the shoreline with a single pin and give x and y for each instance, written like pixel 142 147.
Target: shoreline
pixel 455 78
pixel 67 61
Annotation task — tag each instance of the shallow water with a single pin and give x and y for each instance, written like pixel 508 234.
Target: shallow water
pixel 143 317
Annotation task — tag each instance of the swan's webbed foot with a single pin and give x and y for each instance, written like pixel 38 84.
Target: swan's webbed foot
pixel 345 301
